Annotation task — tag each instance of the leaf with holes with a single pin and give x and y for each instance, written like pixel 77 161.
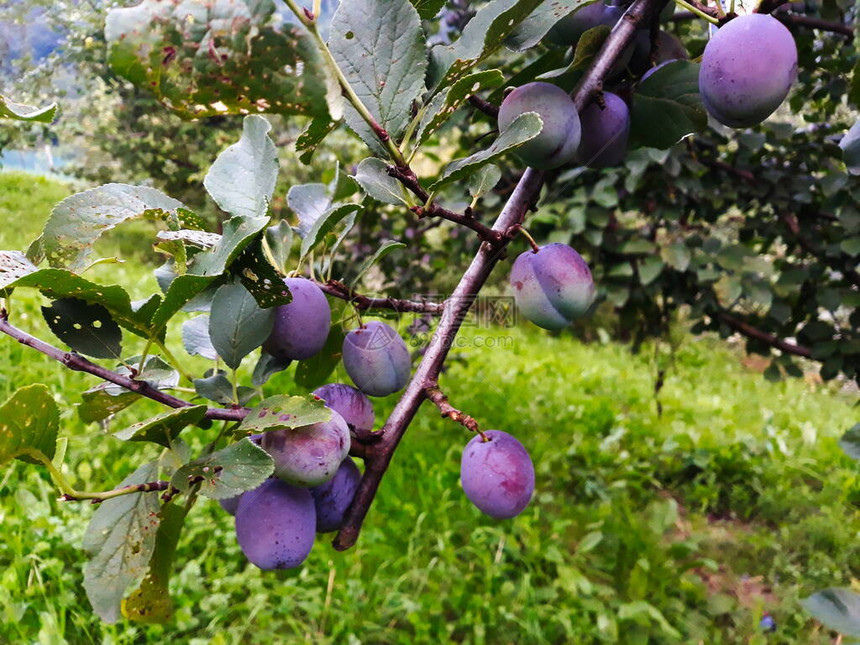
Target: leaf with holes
pixel 237 468
pixel 86 328
pixel 243 177
pixel 443 106
pixel 237 326
pixel 14 265
pixel 78 221
pixel 260 278
pixel 120 540
pixel 163 428
pixel 427 9
pixel 316 132
pixel 215 57
pixel 19 112
pixel 29 421
pixel 379 46
pixel 284 411
pixel 524 128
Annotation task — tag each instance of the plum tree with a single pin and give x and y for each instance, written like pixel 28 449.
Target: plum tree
pixel 352 404
pixel 748 68
pixel 497 474
pixel 276 525
pixel 376 359
pixel 605 129
pixel 309 455
pixel 301 326
pixel 558 140
pixel 332 498
pixel 552 285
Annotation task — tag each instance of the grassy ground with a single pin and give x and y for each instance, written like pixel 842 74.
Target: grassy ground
pixel 683 527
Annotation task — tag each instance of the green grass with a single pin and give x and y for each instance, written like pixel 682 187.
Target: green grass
pixel 680 528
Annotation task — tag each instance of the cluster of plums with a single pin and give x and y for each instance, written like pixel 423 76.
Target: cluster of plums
pixel 315 479
pixel 747 70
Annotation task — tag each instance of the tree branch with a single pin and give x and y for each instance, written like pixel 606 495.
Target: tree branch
pixel 455 308
pixel 448 411
pixel 484 106
pixel 788 19
pixel 757 334
pixel 340 290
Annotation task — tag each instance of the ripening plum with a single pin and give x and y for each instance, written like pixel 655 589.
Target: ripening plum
pixel 748 67
pixel 301 326
pixel 276 525
pixel 558 140
pixel 309 455
pixel 231 503
pixel 552 286
pixel 604 132
pixel 334 497
pixel 376 359
pixel 350 403
pixel 497 475
pixel 567 31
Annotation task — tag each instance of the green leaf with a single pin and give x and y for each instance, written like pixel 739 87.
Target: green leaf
pixel 163 428
pixel 838 609
pixel 181 291
pixel 372 175
pixel 525 127
pixel 850 145
pixel 284 411
pixel 268 366
pixel 532 30
pixel 445 104
pixel 13 266
pixel 215 57
pixel 324 225
pixel 387 247
pixel 237 326
pixel 237 468
pixel 650 269
pixel 216 387
pixel 309 202
pixel 379 46
pixel 427 9
pixel 260 278
pixel 78 221
pixel 850 442
pixel 195 338
pixel 120 540
pixel 483 181
pixel 315 371
pixel 242 179
pixel 667 106
pixel 676 255
pixel 587 47
pixel 86 328
pixel 280 239
pixel 151 601
pixel 485 33
pixel 316 132
pixel 19 112
pixel 237 233
pixel 29 421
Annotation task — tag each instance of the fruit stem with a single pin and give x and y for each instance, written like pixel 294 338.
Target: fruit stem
pixel 519 228
pixel 695 10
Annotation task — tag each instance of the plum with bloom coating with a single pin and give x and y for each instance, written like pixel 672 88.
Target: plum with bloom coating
pixel 302 325
pixel 352 404
pixel 552 286
pixel 605 129
pixel 497 475
pixel 276 525
pixel 376 359
pixel 558 140
pixel 747 69
pixel 334 497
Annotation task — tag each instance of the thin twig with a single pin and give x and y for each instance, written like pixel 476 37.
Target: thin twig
pixel 789 20
pixel 757 334
pixel 448 411
pixel 98 498
pixel 359 301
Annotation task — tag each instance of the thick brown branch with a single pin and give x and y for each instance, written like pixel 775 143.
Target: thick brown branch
pixel 340 290
pixel 752 332
pixel 448 411
pixel 788 19
pixel 78 363
pixel 514 212
pixel 406 177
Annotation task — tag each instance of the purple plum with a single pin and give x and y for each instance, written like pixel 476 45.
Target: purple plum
pixel 497 475
pixel 604 132
pixel 567 31
pixel 308 455
pixel 301 326
pixel 334 497
pixel 558 140
pixel 352 404
pixel 376 359
pixel 276 525
pixel 552 286
pixel 748 68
